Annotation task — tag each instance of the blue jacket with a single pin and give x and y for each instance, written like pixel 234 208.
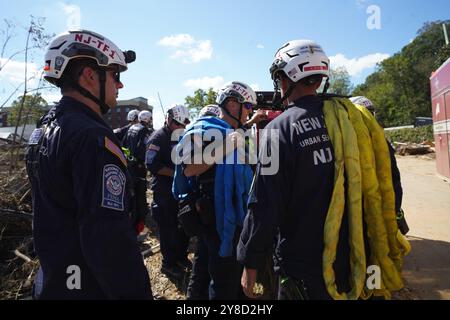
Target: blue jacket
pixel 232 184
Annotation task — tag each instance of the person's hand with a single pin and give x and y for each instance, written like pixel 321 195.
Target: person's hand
pixel 248 281
pixel 235 141
pixel 257 117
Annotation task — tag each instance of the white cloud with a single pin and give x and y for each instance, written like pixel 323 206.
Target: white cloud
pixel 360 3
pixel 73 13
pixel 356 65
pixel 51 97
pixel 177 41
pixel 187 48
pixel 255 86
pixel 205 83
pixel 260 46
pixel 14 71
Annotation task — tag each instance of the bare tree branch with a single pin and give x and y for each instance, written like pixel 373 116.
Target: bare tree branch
pixel 13 154
pixel 15 54
pixel 8 36
pixel 31 105
pixel 17 89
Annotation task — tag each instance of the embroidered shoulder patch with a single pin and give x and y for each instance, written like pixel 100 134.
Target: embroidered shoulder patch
pixel 35 136
pixel 114 181
pixel 114 149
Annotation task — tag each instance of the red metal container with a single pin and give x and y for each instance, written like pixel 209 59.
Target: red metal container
pixel 440 99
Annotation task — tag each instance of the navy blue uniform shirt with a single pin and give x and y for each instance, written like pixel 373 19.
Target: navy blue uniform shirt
pixel 136 140
pixel 292 205
pixel 81 199
pixel 159 149
pixel 121 133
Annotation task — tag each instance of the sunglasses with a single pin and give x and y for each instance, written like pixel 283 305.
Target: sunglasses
pixel 115 74
pixel 180 124
pixel 248 105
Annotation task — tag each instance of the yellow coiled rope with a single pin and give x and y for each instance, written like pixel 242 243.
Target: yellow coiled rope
pixel 369 185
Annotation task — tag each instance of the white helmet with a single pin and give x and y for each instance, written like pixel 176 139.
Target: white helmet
pixel 212 110
pixel 145 116
pixel 133 115
pixel 363 101
pixel 241 91
pixel 179 113
pixel 299 59
pixel 82 44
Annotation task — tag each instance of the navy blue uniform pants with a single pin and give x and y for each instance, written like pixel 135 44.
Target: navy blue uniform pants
pixel 174 242
pixel 198 287
pixel 225 272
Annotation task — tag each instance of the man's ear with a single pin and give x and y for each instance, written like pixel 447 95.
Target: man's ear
pixel 89 75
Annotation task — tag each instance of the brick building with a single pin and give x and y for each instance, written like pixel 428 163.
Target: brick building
pixel 117 117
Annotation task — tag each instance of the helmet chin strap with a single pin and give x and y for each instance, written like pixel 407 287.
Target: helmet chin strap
pixel 104 108
pixel 325 87
pixel 286 95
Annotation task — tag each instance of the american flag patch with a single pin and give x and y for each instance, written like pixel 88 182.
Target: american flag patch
pixel 114 149
pixel 292 72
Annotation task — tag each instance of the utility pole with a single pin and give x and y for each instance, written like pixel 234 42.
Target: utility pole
pixel 160 103
pixel 445 33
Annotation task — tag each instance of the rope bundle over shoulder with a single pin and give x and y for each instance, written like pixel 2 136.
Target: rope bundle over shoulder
pixel 369 195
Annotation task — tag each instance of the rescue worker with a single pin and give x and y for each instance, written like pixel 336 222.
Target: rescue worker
pixel 292 204
pixel 132 118
pixel 198 286
pixel 136 142
pixel 174 242
pixel 80 182
pixel 396 180
pixel 218 182
pixel 211 110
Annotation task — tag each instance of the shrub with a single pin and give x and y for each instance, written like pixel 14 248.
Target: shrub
pixel 411 135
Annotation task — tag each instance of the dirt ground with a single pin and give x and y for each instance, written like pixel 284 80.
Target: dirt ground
pixel 426 202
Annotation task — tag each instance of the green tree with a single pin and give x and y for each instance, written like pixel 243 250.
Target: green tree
pixel 34 107
pixel 442 56
pixel 400 86
pixel 340 82
pixel 200 99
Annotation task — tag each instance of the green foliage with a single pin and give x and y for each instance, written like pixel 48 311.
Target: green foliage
pixel 400 87
pixel 200 99
pixel 340 82
pixel 442 56
pixel 413 135
pixel 34 106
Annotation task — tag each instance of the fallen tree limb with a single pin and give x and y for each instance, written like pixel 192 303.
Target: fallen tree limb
pixel 16 214
pixel 22 256
pixel 151 251
pixel 24 196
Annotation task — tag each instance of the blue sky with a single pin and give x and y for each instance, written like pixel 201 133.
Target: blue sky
pixel 185 45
